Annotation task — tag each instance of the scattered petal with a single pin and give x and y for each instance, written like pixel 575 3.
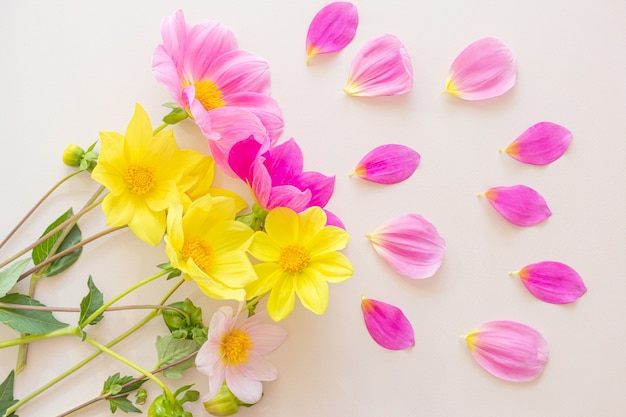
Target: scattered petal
pixel 410 245
pixel 540 144
pixel 332 28
pixel 552 282
pixel 519 204
pixel 388 164
pixel 387 325
pixel 485 69
pixel 382 67
pixel 509 350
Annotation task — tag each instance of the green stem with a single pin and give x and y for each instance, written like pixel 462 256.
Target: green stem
pixel 133 365
pixel 158 129
pixel 94 355
pixel 65 331
pixel 52 232
pixel 77 310
pixel 36 206
pixel 65 252
pixel 105 306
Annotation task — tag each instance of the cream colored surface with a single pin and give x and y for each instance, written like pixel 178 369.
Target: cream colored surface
pixel 71 69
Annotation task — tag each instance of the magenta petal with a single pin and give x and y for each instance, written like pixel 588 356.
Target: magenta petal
pixel 485 69
pixel 552 282
pixel 519 204
pixel 540 144
pixel 382 67
pixel 332 28
pixel 388 164
pixel 242 155
pixel 387 325
pixel 410 245
pixel 321 186
pixel 509 350
pixel 284 161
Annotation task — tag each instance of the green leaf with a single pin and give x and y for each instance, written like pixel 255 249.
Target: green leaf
pixel 27 321
pixel 170 350
pixel 114 384
pixel 171 105
pixel 6 393
pixel 10 275
pixel 176 115
pixel 90 303
pixel 44 250
pixel 123 404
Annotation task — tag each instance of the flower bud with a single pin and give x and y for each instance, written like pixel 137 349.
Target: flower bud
pixel 72 155
pixel 223 404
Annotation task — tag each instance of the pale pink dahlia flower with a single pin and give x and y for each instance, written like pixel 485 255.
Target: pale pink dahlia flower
pixel 234 353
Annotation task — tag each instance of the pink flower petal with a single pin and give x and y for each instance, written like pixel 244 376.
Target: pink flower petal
pixel 332 28
pixel 382 67
pixel 410 245
pixel 485 69
pixel 387 325
pixel 552 282
pixel 519 204
pixel 388 164
pixel 238 70
pixel 540 144
pixel 509 350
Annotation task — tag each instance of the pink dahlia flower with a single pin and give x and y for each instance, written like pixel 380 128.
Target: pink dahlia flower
pixel 208 76
pixel 234 353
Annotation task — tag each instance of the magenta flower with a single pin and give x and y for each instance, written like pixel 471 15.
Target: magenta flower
pixel 387 325
pixel 509 350
pixel 518 204
pixel 382 67
pixel 209 77
pixel 234 353
pixel 410 245
pixel 552 282
pixel 540 144
pixel 276 177
pixel 388 164
pixel 485 69
pixel 332 28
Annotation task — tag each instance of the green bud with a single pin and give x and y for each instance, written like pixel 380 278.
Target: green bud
pixel 72 155
pixel 164 407
pixel 140 396
pixel 223 404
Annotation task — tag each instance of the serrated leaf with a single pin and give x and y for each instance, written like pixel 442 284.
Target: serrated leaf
pixel 90 303
pixel 123 404
pixel 10 275
pixel 114 381
pixel 170 350
pixel 6 393
pixel 27 321
pixel 73 237
pixel 41 251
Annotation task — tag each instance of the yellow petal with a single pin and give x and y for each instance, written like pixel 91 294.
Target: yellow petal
pixel 282 299
pixel 312 290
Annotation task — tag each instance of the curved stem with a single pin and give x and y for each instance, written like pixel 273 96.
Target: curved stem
pixel 52 232
pixel 94 355
pixel 65 331
pixel 112 301
pixel 68 251
pixel 158 129
pixel 36 206
pixel 133 365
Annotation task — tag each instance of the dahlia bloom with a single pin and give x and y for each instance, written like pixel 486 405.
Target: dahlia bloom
pixel 141 171
pixel 208 76
pixel 209 246
pixel 298 255
pixel 234 353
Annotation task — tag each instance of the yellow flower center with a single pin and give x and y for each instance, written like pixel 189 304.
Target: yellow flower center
pixel 293 258
pixel 200 251
pixel 209 95
pixel 235 347
pixel 139 180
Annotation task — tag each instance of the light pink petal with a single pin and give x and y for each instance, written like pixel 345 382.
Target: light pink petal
pixel 204 44
pixel 247 390
pixel 332 28
pixel 387 325
pixel 320 185
pixel 388 164
pixel 258 368
pixel 263 107
pixel 509 350
pixel 290 197
pixel 540 144
pixel 410 245
pixel 382 67
pixel 519 204
pixel 485 69
pixel 238 70
pixel 552 282
pixel 260 182
pixel 266 337
pixel 165 71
